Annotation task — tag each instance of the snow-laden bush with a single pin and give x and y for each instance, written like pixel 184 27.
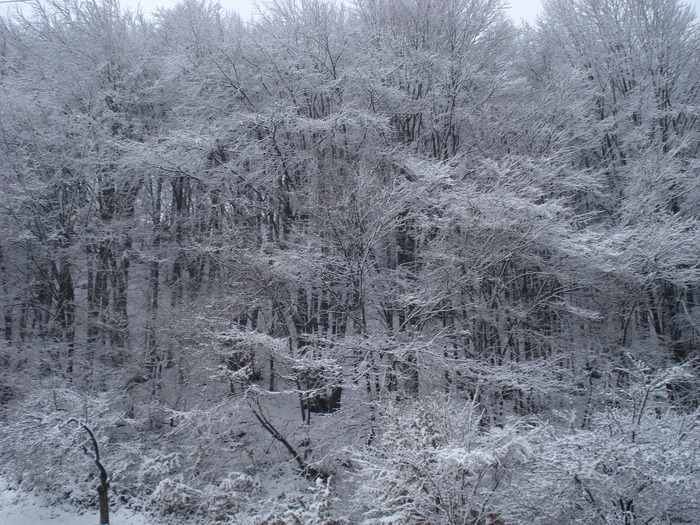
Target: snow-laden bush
pixel 313 505
pixel 172 496
pixel 231 497
pixel 435 465
pixel 622 470
pixel 154 468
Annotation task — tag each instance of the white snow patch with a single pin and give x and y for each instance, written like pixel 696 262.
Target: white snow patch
pixel 22 508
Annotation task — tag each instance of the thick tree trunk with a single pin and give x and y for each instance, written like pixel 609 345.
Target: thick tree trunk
pixel 103 496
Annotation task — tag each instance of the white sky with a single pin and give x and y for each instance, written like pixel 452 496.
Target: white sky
pixel 519 9
pixel 526 9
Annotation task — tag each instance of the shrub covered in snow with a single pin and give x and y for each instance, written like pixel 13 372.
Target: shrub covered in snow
pixel 435 464
pixel 618 471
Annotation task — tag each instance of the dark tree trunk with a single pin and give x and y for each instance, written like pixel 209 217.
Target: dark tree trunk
pixel 103 488
pixel 103 496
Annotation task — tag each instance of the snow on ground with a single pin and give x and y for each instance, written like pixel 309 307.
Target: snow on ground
pixel 22 508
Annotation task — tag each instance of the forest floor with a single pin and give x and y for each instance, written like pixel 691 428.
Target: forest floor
pixel 18 507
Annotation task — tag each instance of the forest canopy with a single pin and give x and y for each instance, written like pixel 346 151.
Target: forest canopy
pixel 397 261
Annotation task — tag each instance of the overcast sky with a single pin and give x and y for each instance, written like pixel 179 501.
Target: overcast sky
pixel 519 9
pixel 526 9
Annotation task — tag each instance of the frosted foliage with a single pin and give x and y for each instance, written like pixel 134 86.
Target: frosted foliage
pixel 175 497
pixel 314 505
pixel 433 464
pixel 620 472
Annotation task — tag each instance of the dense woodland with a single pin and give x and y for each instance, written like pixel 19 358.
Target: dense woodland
pixel 400 261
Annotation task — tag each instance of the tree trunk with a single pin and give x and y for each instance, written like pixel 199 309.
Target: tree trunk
pixel 103 496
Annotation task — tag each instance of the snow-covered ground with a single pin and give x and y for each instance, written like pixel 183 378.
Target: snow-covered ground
pixel 21 508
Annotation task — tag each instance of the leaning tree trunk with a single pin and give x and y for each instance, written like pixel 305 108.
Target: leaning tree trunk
pixel 103 487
